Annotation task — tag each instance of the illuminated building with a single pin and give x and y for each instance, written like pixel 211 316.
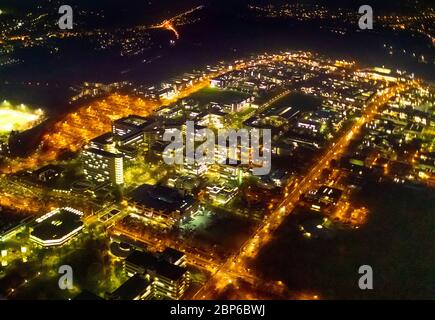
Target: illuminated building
pixel 130 124
pixel 102 161
pixel 184 183
pixel 166 93
pixel 426 163
pixel 274 117
pixel 135 288
pixel 4 145
pixel 48 173
pixel 213 118
pixel 237 104
pixel 179 84
pixel 309 125
pixel 167 205
pixel 10 227
pixel 377 74
pixel 198 168
pixel 168 279
pixel 221 194
pixel 132 139
pixel 219 82
pixel 102 167
pixel 276 178
pixel 154 138
pixel 126 138
pixel 57 227
pixel 230 172
pixel 175 257
pixel 105 142
pixel 323 197
pixel 131 134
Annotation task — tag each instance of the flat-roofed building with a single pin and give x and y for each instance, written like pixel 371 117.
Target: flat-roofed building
pixel 11 225
pixel 222 194
pixel 57 227
pixel 164 203
pixel 105 142
pixel 132 123
pixel 135 288
pixel 184 183
pixel 323 197
pixel 213 118
pixel 195 168
pixel 175 257
pixel 168 280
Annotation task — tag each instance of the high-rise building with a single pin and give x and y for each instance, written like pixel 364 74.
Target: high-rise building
pixel 102 161
pixel 102 166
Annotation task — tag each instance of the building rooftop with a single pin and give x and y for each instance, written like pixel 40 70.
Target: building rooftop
pixel 105 138
pixel 50 167
pixel 57 225
pixel 172 255
pixel 131 289
pixel 134 121
pixel 150 262
pixel 161 198
pixel 329 193
pixel 103 153
pixel 10 221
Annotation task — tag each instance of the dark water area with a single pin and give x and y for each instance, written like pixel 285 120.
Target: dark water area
pixel 211 42
pixel 116 13
pixel 397 242
pixel 224 32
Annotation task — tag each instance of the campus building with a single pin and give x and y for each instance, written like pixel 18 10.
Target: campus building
pixel 162 204
pixel 135 288
pixel 166 271
pixel 103 167
pixel 57 227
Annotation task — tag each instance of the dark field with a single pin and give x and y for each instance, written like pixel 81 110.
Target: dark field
pixel 397 242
